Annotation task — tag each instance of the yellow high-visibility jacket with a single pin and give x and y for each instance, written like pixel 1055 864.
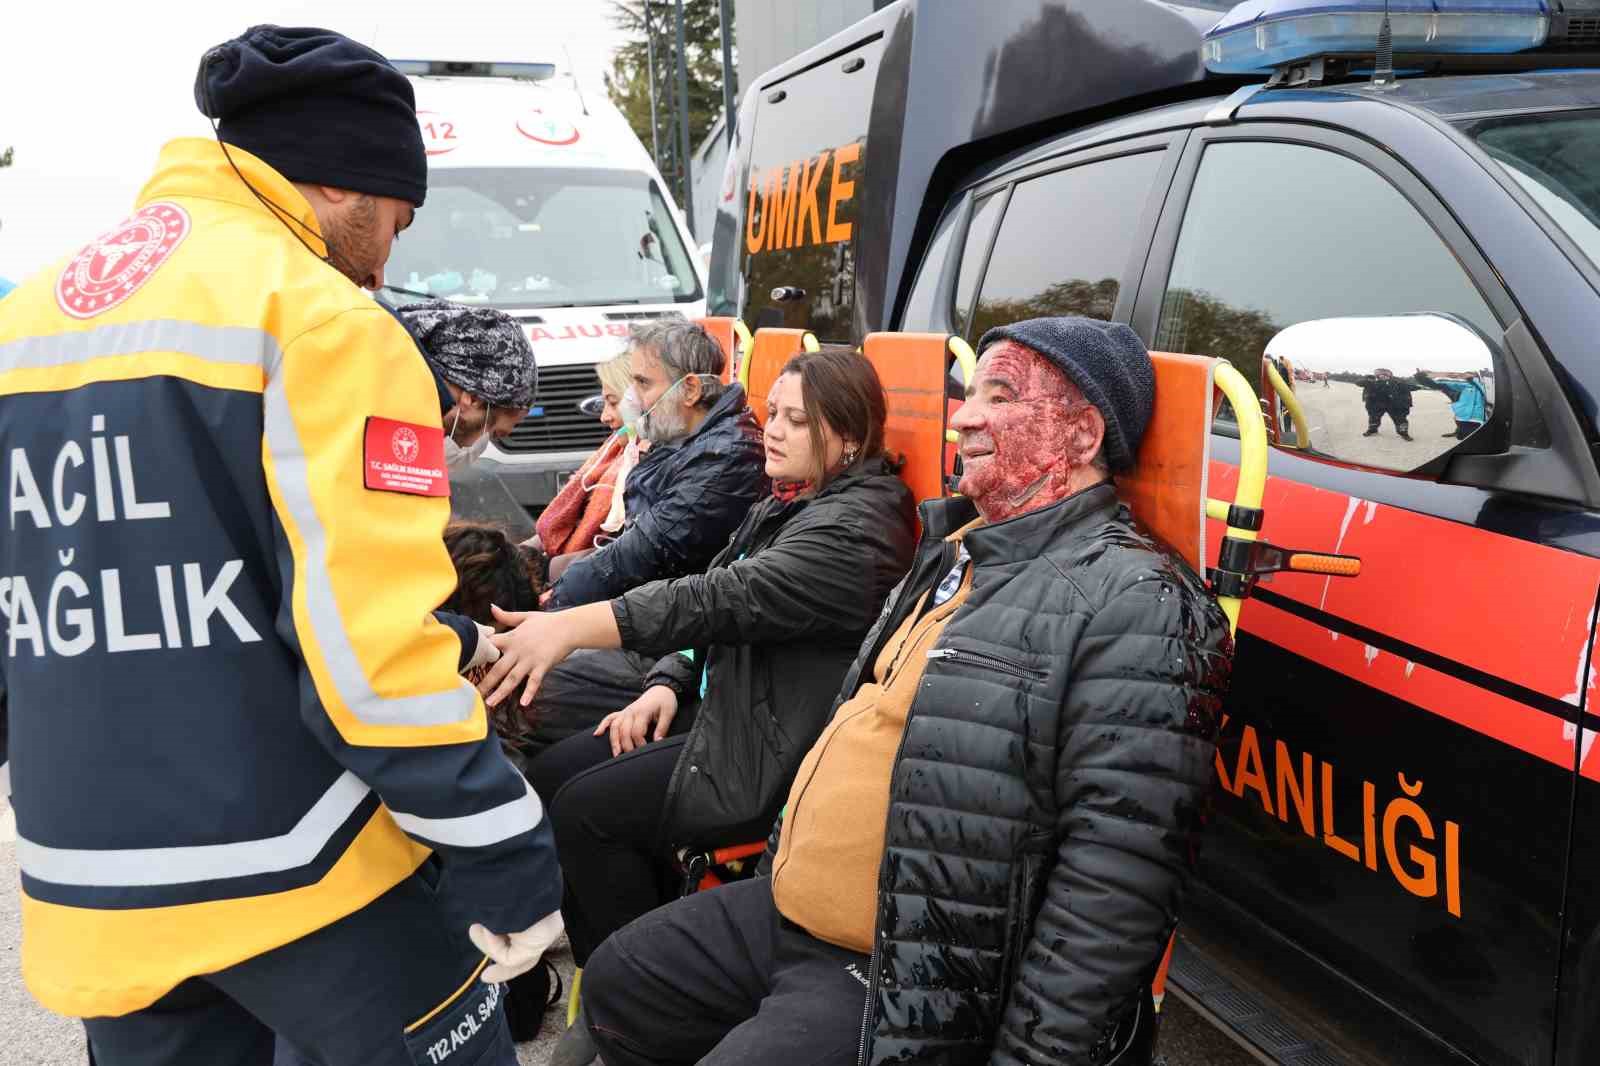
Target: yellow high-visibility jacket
pixel 230 718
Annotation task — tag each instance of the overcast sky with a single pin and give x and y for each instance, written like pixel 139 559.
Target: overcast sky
pixel 91 89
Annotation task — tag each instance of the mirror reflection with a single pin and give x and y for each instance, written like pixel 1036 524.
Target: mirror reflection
pixel 1391 392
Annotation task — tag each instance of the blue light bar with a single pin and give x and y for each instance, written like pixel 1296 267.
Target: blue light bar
pixel 1260 35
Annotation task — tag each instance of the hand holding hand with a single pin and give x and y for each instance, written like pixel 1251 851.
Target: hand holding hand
pixel 485 653
pixel 527 652
pixel 630 727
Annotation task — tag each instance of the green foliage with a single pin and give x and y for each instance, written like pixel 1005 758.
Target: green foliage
pixel 629 85
pixel 1198 323
pixel 1091 299
pixel 6 157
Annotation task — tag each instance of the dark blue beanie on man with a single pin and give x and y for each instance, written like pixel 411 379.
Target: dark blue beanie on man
pixel 318 108
pixel 1109 364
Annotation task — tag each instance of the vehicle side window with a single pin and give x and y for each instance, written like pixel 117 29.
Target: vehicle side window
pixel 921 306
pixel 1276 234
pixel 979 234
pixel 1065 242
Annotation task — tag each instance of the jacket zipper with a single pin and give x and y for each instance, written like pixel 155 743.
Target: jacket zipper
pixel 866 1010
pixel 873 961
pixel 995 662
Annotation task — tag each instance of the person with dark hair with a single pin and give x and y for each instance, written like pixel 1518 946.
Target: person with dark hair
pixel 300 827
pixel 1385 394
pixel 982 857
pixel 492 570
pixel 702 472
pixel 705 755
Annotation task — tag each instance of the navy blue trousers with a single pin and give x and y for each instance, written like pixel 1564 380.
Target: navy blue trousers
pixel 391 985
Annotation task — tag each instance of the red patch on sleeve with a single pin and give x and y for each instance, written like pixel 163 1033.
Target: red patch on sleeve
pixel 405 457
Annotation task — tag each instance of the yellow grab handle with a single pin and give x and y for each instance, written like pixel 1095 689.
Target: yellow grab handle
pixel 809 342
pixel 747 344
pixel 1252 465
pixel 1292 402
pixel 966 358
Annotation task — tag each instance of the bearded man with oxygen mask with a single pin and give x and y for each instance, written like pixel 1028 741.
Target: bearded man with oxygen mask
pixel 700 476
pixel 218 610
pixel 698 468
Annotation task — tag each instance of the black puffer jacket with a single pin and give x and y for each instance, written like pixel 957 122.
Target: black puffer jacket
pixel 775 621
pixel 683 501
pixel 1047 796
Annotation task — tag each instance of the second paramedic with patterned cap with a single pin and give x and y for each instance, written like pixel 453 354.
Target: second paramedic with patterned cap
pixel 299 825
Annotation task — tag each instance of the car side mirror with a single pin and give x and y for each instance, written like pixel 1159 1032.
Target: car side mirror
pixel 1387 392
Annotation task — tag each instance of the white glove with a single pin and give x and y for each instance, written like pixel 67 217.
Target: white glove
pixel 516 953
pixel 485 653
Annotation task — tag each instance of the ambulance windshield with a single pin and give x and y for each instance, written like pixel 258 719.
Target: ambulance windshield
pixel 1556 160
pixel 520 237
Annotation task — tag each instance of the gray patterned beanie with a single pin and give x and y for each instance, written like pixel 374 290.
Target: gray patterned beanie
pixel 478 349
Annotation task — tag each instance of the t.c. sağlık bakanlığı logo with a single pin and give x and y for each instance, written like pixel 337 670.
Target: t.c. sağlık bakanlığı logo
pixel 115 265
pixel 404 444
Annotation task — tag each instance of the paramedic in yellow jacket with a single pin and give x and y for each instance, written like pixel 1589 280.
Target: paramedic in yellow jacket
pixel 253 797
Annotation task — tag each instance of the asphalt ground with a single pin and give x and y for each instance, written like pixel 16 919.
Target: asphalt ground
pixel 32 1036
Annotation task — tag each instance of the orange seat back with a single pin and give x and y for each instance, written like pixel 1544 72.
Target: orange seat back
pixel 721 328
pixel 773 349
pixel 911 367
pixel 1167 487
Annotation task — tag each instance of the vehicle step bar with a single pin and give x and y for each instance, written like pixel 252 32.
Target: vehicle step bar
pixel 1268 1037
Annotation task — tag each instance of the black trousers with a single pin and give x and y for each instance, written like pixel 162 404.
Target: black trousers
pixel 1401 419
pixel 606 813
pixel 390 985
pixel 721 979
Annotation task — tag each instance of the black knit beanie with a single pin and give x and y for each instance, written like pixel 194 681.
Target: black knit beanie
pixel 317 107
pixel 1109 364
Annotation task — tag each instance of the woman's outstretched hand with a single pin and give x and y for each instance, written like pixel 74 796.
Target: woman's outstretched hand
pixel 538 641
pixel 631 727
pixel 527 651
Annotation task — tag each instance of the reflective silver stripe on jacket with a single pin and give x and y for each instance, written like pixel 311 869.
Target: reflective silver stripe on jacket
pixel 227 345
pixel 454 704
pixel 146 867
pixel 477 830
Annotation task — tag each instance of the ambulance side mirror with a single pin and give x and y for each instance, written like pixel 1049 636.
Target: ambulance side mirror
pixel 1387 392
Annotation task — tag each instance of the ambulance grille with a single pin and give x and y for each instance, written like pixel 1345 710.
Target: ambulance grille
pixel 560 426
pixel 1583 32
pixel 640 316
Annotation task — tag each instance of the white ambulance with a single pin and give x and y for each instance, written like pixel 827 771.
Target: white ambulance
pixel 543 203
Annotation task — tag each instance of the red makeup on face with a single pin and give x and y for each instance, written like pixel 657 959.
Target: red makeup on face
pixel 1021 430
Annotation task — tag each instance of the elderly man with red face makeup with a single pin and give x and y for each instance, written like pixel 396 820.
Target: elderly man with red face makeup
pixel 982 857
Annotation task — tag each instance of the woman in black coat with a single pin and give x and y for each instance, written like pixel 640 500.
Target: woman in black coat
pixel 706 755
